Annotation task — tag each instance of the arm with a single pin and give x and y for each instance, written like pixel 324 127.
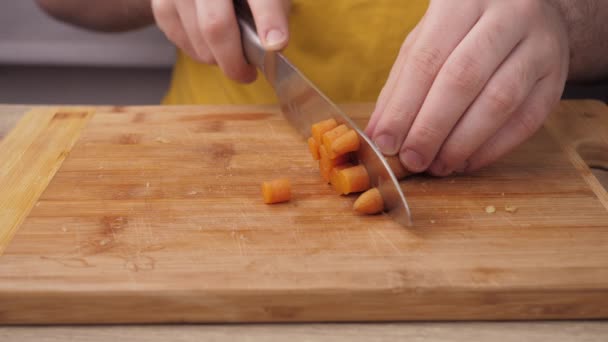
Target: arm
pixel 206 30
pixel 101 15
pixel 587 25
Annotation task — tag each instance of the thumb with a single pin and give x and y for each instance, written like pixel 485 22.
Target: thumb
pixel 271 22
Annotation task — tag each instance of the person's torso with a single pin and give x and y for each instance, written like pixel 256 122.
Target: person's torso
pixel 346 47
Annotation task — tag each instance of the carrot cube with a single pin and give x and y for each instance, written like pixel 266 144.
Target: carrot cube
pixel 276 191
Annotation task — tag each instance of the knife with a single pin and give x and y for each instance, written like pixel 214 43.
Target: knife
pixel 303 105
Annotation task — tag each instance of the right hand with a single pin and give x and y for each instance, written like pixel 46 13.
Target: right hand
pixel 207 31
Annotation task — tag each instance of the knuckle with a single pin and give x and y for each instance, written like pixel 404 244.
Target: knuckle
pixel 463 75
pixel 503 98
pixel 236 72
pixel 215 27
pixel 528 8
pixel 206 57
pixel 395 116
pixel 425 135
pixel 452 154
pixel 160 7
pixel 530 122
pixel 426 61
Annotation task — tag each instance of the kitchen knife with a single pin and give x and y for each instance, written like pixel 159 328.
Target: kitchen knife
pixel 303 105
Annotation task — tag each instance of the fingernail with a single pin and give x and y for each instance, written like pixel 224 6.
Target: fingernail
pixel 387 144
pixel 274 39
pixel 412 160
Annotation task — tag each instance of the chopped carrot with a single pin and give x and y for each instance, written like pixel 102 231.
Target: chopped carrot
pixel 330 136
pixel 313 146
pixel 321 127
pixel 398 169
pixel 326 163
pixel 352 179
pixel 347 142
pixel 333 174
pixel 276 191
pixel 369 202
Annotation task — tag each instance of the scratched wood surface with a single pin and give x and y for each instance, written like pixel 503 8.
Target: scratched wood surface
pixel 156 216
pixel 30 156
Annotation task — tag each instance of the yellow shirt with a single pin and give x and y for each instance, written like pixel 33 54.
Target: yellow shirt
pixel 346 47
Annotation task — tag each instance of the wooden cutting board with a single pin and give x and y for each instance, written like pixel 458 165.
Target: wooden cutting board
pixel 154 214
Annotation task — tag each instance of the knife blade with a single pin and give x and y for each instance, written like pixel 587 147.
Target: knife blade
pixel 303 104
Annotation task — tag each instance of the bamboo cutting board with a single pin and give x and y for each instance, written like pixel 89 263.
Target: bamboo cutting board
pixel 154 214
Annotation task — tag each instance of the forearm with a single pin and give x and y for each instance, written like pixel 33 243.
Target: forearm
pixel 587 23
pixel 101 15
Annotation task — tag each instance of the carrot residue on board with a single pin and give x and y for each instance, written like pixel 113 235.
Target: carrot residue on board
pixel 276 191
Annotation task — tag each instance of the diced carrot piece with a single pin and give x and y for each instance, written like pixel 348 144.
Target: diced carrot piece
pixel 314 148
pixel 330 136
pixel 369 202
pixel 318 129
pixel 276 191
pixel 333 174
pixel 398 169
pixel 326 164
pixel 347 142
pixel 352 179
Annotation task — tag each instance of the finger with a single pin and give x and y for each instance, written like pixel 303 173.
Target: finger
pixel 270 18
pixel 187 14
pixel 523 124
pixel 502 95
pixel 434 43
pixel 457 85
pixel 392 79
pixel 218 25
pixel 168 20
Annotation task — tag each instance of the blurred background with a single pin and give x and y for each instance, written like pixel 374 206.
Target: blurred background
pixel 45 61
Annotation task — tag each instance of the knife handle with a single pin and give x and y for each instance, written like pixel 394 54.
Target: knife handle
pixel 252 46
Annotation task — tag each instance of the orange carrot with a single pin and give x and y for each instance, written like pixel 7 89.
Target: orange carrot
pixel 347 142
pixel 330 136
pixel 398 169
pixel 352 179
pixel 369 202
pixel 333 174
pixel 317 130
pixel 276 191
pixel 314 148
pixel 326 163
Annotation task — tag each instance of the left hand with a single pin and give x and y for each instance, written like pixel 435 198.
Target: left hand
pixel 472 81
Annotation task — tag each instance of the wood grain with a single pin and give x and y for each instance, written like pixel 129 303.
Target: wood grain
pixel 582 130
pixel 30 155
pixel 167 225
pixel 384 332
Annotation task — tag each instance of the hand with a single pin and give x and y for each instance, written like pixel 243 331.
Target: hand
pixel 207 31
pixel 473 80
